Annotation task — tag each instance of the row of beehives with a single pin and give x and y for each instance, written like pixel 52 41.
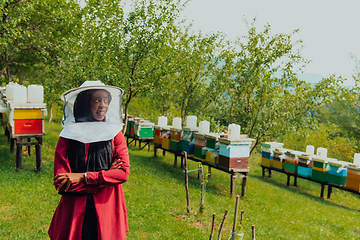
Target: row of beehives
pixel 227 151
pixel 317 167
pixel 22 109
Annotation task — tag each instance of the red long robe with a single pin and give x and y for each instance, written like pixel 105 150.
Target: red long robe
pixel 109 201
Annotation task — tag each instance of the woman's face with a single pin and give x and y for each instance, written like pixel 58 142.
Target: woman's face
pixel 99 104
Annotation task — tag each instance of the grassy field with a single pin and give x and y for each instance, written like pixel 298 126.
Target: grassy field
pixel 156 201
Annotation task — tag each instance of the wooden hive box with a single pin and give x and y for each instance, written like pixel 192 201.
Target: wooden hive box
pixel 144 129
pixel 230 164
pixel 212 156
pixel 353 177
pixel 26 118
pixel 175 134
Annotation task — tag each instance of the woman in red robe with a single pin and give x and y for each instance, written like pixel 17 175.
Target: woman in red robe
pixel 89 168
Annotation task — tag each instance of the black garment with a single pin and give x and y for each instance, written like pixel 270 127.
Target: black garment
pixel 90 226
pixel 99 156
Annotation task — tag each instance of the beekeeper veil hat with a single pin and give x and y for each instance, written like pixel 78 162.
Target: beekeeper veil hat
pixel 77 121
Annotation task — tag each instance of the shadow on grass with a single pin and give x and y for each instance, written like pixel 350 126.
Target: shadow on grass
pixel 302 191
pixel 165 167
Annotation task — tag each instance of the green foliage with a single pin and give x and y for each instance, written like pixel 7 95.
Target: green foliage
pixel 339 147
pixel 190 88
pixel 259 78
pixel 32 32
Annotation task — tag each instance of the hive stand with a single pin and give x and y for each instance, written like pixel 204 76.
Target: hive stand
pixel 18 140
pixel 147 141
pixel 234 173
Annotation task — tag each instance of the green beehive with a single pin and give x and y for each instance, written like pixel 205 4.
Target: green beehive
pixel 199 153
pixel 144 129
pixel 211 140
pixel 337 180
pixel 320 176
pixel 290 167
pixel 175 145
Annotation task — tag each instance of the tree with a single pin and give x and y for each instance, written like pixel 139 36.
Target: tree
pixel 191 89
pixel 31 32
pixel 144 50
pixel 261 84
pixel 133 51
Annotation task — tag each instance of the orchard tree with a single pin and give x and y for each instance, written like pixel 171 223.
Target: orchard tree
pixel 190 89
pixel 264 93
pixel 133 50
pixel 144 50
pixel 31 31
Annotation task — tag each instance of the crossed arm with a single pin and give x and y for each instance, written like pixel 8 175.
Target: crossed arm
pixel 65 180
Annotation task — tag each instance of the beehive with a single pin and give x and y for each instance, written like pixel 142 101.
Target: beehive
pixel 200 143
pixel 166 138
pixel 267 153
pixel 278 160
pixel 26 118
pixel 175 134
pixel 144 129
pixel 353 177
pixel 187 139
pixel 212 156
pixel 337 173
pixel 234 154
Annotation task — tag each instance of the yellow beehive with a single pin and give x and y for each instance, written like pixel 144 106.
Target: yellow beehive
pixel 166 143
pixel 267 162
pixel 28 114
pixel 212 157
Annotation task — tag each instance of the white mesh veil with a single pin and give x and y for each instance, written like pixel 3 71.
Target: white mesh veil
pixel 88 132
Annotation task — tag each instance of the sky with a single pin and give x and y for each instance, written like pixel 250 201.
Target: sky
pixel 329 28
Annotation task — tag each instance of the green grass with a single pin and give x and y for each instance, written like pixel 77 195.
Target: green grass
pixel 156 201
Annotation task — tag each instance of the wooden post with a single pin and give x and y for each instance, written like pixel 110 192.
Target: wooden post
pixel 288 180
pixel 241 217
pixel 232 183
pixel 329 191
pixel 28 147
pixel 253 232
pixel 12 145
pixel 202 189
pixel 212 227
pixel 38 154
pixel 18 155
pixel 222 223
pixel 187 183
pixel 322 190
pixel 235 214
pixel 243 185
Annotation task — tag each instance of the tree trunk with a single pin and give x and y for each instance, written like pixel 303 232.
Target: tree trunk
pixel 126 112
pixel 212 227
pixel 51 111
pixel 222 223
